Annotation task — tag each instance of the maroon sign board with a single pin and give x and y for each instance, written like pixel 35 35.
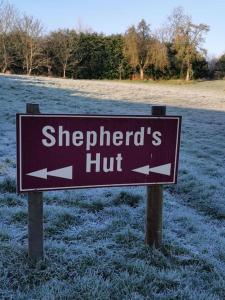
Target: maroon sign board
pixel 74 151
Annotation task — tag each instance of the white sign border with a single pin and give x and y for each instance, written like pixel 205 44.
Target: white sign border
pixel 21 190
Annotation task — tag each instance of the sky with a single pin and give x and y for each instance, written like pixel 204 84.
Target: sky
pixel 115 16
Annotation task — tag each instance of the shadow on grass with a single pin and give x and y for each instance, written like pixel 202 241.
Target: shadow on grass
pixel 202 156
pixel 100 253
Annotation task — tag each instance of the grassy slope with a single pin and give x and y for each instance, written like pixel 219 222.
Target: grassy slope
pixel 94 238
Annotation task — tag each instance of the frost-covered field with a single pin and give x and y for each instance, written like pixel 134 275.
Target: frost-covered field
pixel 94 239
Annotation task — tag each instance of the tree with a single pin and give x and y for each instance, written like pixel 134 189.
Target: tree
pixel 187 39
pixel 8 15
pixel 64 43
pixel 137 45
pixel 30 33
pixel 173 51
pixel 92 49
pixel 48 54
pixel 158 56
pixel 212 66
pixel 131 47
pixel 14 51
pixel 115 63
pixel 200 68
pixel 143 50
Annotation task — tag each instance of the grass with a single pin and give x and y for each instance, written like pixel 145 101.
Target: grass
pixel 125 198
pixel 94 238
pixel 108 260
pixel 106 276
pixel 11 200
pixel 8 185
pixel 170 81
pixel 20 217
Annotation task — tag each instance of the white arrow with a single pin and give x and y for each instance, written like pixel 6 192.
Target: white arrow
pixel 163 169
pixel 66 172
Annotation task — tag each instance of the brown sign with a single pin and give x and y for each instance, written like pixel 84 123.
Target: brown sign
pixel 72 151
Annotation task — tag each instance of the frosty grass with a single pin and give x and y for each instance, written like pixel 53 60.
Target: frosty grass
pixel 94 238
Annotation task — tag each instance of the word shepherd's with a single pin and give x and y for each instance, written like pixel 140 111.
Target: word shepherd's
pixel 72 151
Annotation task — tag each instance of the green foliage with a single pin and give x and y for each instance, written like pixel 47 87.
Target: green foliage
pixel 116 66
pixel 90 55
pixel 101 57
pixel 200 68
pixel 220 67
pixel 92 50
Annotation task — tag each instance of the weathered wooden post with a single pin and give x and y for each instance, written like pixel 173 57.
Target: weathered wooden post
pixel 35 211
pixel 154 207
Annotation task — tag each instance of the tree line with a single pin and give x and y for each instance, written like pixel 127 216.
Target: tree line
pixel 173 51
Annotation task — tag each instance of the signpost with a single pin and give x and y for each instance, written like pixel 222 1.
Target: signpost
pixel 35 212
pixel 71 151
pixel 81 151
pixel 154 205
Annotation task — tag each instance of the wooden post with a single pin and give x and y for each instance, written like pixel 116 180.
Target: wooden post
pixel 35 212
pixel 154 207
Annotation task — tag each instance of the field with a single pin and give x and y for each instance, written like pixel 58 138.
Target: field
pixel 94 239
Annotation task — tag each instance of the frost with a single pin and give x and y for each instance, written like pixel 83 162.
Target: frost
pixel 94 238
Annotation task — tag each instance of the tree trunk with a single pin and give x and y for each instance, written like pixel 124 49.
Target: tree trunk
pixel 188 75
pixel 5 56
pixel 120 74
pixel 154 74
pixel 49 70
pixel 64 72
pixel 189 71
pixel 141 73
pixel 27 68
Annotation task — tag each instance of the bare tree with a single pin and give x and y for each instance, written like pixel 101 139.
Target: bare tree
pixel 8 15
pixel 30 33
pixel 62 47
pixel 48 55
pixel 187 39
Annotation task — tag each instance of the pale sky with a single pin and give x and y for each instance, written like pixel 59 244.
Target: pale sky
pixel 115 16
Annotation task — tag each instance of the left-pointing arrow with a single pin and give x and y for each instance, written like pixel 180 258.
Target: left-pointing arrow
pixel 66 173
pixel 40 173
pixel 162 169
